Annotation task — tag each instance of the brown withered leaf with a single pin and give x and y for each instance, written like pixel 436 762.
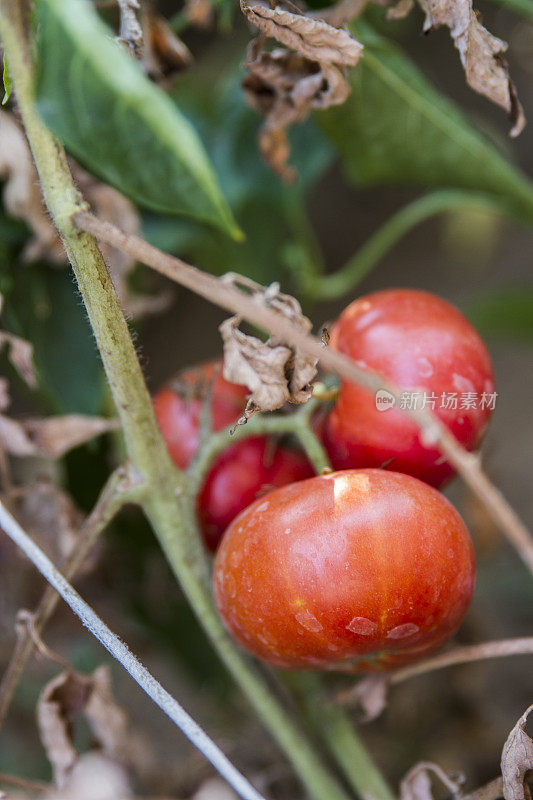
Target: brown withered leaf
pixel 67 696
pixel 285 87
pixel 274 373
pixel 93 777
pixel 165 54
pixel 517 760
pixel 481 53
pixel 20 353
pixel 51 437
pixel 312 38
pixel 200 13
pixel 369 694
pixel 48 514
pixel 416 784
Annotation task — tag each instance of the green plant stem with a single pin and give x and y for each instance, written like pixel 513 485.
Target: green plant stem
pixel 338 284
pixel 271 425
pixel 338 734
pixel 166 504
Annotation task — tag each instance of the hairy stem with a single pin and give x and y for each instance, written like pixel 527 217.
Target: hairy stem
pixel 378 244
pixel 165 498
pixel 123 486
pixel 223 294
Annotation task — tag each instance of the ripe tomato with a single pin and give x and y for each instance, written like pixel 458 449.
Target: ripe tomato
pixel 178 407
pixel 361 569
pixel 241 473
pixel 419 342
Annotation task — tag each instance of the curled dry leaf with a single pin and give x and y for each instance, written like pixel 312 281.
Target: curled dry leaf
pixel 51 437
pixel 369 694
pixel 67 696
pixel 482 54
pixel 517 760
pixel 165 55
pixel 274 373
pixel 285 87
pixel 416 785
pixel 312 38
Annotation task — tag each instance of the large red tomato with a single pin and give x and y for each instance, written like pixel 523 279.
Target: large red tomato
pixel 241 473
pixel 362 569
pixel 428 349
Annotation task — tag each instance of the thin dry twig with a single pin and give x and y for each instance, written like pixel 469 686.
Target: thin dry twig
pixel 120 489
pixel 465 655
pixel 459 655
pixel 434 433
pixel 116 648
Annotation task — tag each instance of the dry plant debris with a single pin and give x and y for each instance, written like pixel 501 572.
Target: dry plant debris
pixel 517 760
pixel 287 83
pixel 481 53
pixel 416 785
pixel 274 373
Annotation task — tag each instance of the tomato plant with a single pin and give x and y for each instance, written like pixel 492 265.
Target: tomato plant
pixel 244 470
pixel 363 569
pixel 427 347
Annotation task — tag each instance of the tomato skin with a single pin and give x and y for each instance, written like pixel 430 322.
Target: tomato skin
pixel 418 341
pixel 361 569
pixel 241 473
pixel 178 407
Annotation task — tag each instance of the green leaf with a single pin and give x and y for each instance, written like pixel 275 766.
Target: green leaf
pixel 7 82
pixel 397 128
pixel 96 99
pixel 506 313
pixel 43 306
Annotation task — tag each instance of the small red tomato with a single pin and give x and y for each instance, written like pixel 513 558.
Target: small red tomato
pixel 178 407
pixel 428 349
pixel 362 569
pixel 241 473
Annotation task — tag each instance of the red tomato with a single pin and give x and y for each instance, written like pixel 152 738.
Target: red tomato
pixel 178 407
pixel 418 341
pixel 362 569
pixel 241 473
